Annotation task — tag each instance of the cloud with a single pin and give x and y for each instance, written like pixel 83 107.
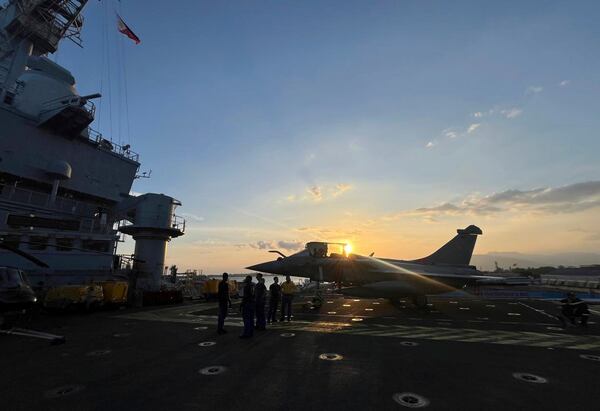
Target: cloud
pixel 512 112
pixel 315 192
pixel 595 237
pixel 564 83
pixel 430 144
pixel 262 245
pixel 473 127
pixel 320 193
pixel 340 189
pixel 290 245
pixel 193 217
pixel 310 157
pixel 451 134
pixel 534 89
pixel 553 200
pixel 272 245
pixel 478 114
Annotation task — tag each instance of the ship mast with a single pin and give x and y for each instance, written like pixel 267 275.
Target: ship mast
pixel 34 28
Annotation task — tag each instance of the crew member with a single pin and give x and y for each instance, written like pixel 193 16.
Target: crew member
pixel 247 308
pixel 573 308
pixel 274 298
pixel 288 288
pixel 260 296
pixel 224 302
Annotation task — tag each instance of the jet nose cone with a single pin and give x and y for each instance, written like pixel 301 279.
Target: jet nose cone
pixel 271 267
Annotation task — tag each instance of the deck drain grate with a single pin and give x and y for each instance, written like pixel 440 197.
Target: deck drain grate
pixel 409 343
pixel 287 335
pixel 201 328
pixel 213 370
pixel 590 357
pixel 206 344
pixel 64 391
pixel 330 357
pixel 411 400
pixel 98 353
pixel 523 376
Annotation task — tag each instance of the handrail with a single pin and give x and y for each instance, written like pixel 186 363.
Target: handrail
pixel 178 223
pixel 116 148
pixel 56 104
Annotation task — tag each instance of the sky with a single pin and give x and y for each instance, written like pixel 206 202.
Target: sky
pixel 386 124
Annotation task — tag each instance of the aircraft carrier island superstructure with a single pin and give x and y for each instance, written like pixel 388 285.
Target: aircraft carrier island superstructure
pixel 64 188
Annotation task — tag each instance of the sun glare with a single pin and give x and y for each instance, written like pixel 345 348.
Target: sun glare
pixel 348 249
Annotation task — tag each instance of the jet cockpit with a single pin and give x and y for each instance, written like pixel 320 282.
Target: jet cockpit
pixel 319 249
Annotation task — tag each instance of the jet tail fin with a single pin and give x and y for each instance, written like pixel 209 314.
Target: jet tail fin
pixel 457 251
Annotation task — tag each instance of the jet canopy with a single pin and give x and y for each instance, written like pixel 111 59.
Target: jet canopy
pixel 322 249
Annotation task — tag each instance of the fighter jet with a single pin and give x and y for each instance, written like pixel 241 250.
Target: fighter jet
pixel 444 271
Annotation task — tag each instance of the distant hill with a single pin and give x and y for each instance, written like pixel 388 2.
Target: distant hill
pixel 485 262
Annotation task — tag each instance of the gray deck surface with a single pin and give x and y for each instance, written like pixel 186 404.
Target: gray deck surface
pixel 465 355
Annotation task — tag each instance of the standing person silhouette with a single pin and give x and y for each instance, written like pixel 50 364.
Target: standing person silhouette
pixel 247 308
pixel 260 297
pixel 274 298
pixel 224 303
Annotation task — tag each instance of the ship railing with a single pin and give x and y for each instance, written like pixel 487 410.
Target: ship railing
pixel 122 150
pixel 81 209
pixel 178 223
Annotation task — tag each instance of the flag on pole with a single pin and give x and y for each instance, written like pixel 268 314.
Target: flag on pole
pixel 124 28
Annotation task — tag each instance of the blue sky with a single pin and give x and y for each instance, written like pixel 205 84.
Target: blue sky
pixel 288 120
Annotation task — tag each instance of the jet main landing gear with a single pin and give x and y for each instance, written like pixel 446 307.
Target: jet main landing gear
pixel 420 301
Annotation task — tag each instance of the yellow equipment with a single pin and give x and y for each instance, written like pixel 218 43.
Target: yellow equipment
pixel 69 295
pixel 115 292
pixel 210 288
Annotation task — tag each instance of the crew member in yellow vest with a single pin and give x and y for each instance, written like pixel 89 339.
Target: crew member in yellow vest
pixel 288 289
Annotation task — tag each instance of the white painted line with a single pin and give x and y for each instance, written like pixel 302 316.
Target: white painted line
pixel 538 311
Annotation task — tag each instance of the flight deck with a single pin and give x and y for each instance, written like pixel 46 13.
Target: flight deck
pixel 352 354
